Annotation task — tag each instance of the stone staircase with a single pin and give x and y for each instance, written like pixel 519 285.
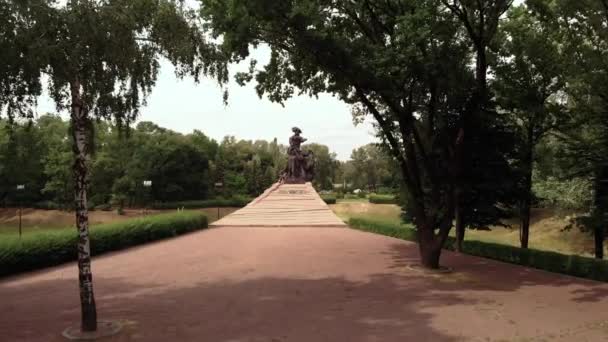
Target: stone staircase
pixel 284 205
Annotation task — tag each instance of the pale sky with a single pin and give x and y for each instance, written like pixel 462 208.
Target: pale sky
pixel 183 105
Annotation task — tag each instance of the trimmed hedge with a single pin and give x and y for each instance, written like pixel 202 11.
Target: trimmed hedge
pixel 53 247
pixel 573 265
pixel 329 199
pixel 382 199
pixel 211 203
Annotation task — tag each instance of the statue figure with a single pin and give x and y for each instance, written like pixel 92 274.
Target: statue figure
pixel 300 164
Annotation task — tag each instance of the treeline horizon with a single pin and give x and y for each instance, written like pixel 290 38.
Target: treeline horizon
pixel 181 166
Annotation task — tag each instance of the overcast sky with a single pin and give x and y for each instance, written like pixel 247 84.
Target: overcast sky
pixel 183 105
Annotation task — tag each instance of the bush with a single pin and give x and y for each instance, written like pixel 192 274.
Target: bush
pixel 46 205
pixel 389 229
pixel 570 194
pixel 573 265
pixel 212 203
pixel 386 190
pixel 104 207
pixel 382 199
pixel 329 199
pixel 53 247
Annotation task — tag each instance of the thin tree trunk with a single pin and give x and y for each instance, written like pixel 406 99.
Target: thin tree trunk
pixel 481 73
pixel 599 241
pixel 601 210
pixel 80 131
pixel 526 202
pixel 460 225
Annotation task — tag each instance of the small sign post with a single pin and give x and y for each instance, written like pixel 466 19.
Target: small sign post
pixel 218 185
pixel 20 188
pixel 147 185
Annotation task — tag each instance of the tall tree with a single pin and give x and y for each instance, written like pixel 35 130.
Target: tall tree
pixel 403 62
pixel 530 83
pixel 325 165
pixel 583 27
pixel 479 20
pixel 101 58
pixel 372 167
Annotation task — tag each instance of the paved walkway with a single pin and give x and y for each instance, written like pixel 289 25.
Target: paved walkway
pixel 284 205
pixel 308 284
pixel 305 284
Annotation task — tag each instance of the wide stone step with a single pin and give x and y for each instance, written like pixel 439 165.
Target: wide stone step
pixel 284 205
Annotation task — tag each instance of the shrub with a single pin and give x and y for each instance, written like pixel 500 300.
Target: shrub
pixel 46 205
pixel 382 199
pixel 53 247
pixel 104 207
pixel 211 203
pixel 386 190
pixel 573 265
pixel 329 199
pixel 390 229
pixel 570 194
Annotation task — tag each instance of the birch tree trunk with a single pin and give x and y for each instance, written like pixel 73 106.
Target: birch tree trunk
pixel 81 149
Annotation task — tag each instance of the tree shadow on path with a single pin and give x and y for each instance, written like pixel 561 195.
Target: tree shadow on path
pixel 263 309
pixel 395 304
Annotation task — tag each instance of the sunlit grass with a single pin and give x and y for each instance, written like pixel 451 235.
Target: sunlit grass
pixel 546 232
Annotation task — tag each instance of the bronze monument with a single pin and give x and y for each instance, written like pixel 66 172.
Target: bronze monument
pixel 300 164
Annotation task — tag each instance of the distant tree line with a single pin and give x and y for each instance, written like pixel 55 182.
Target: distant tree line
pixel 181 167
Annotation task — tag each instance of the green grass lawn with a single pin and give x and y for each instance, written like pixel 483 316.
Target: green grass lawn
pixel 546 230
pixel 352 200
pixel 36 220
pixel 42 248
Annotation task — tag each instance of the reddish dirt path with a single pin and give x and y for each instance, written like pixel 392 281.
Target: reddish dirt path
pixel 305 284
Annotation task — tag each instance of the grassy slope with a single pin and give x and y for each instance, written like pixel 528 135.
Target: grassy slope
pixel 546 231
pixel 35 220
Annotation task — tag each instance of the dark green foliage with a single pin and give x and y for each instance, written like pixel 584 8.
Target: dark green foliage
pixel 382 199
pixel 53 247
pixel 182 167
pixel 46 205
pixel 236 202
pixel 371 167
pixel 573 265
pixel 326 166
pixel 104 207
pixel 329 199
